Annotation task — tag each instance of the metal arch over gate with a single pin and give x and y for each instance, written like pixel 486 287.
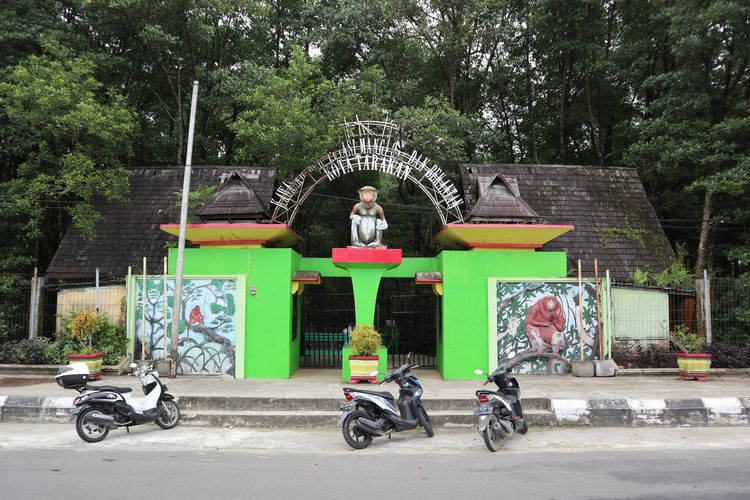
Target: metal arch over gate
pixel 370 145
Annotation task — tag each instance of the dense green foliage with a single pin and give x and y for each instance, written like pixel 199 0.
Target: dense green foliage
pixel 104 336
pixel 88 87
pixel 365 340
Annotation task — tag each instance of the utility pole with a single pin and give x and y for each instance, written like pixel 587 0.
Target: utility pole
pixel 177 302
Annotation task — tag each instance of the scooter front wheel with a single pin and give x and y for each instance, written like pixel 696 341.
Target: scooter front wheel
pixel 491 434
pixel 425 421
pixel 354 437
pixel 89 431
pixel 169 414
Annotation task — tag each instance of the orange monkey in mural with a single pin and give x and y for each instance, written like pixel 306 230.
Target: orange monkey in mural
pixel 544 325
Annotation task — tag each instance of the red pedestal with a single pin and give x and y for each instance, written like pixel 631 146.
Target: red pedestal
pixel 357 255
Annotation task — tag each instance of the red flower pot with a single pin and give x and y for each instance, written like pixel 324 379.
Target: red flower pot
pixel 93 361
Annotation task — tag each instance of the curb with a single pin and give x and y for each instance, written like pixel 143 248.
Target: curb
pixel 711 412
pixel 47 369
pixel 674 371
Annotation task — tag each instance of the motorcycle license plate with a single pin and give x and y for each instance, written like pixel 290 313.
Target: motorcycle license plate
pixel 483 410
pixel 346 409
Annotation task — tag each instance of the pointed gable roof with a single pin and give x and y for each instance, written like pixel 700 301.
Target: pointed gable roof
pixel 597 201
pixel 236 200
pixel 500 201
pixel 128 232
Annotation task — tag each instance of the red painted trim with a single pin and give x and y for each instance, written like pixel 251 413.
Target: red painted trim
pixel 694 355
pixel 93 355
pixel 306 280
pixel 364 358
pixel 230 242
pixel 504 245
pixel 366 255
pixel 356 379
pixel 427 282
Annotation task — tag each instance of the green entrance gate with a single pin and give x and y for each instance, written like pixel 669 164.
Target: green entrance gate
pixel 406 321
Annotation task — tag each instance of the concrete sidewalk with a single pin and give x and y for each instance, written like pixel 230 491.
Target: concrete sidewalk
pixel 312 396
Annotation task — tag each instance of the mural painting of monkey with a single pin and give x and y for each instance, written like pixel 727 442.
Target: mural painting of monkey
pixel 544 326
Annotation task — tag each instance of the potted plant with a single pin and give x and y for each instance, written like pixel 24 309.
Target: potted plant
pixel 82 328
pixel 364 360
pixel 692 361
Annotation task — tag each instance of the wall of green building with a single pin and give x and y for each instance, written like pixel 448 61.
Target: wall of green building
pixel 465 302
pixel 269 351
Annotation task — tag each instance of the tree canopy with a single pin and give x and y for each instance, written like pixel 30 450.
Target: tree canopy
pixel 91 87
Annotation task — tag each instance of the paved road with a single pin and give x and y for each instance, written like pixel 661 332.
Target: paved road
pixel 48 460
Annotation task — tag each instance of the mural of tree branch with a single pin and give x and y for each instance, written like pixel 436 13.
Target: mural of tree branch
pixel 537 323
pixel 208 326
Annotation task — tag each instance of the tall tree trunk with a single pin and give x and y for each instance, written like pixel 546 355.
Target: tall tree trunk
pixel 530 101
pixel 702 261
pixel 594 127
pixel 563 109
pixel 178 118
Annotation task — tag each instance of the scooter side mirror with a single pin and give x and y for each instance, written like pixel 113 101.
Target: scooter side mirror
pixel 478 372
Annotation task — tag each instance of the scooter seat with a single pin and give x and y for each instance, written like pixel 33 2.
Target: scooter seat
pixel 120 390
pixel 382 394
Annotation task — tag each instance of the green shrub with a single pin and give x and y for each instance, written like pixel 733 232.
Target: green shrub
pixel 634 355
pixel 365 340
pixel 106 337
pixel 686 341
pixel 24 352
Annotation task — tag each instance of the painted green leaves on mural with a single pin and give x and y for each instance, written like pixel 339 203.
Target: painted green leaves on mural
pixel 228 308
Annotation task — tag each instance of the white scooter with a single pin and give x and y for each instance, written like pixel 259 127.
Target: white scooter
pixel 105 407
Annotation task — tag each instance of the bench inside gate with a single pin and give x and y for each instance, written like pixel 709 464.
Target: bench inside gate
pixel 324 343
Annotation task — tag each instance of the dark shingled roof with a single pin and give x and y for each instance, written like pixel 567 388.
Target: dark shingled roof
pixel 613 219
pixel 128 232
pixel 236 200
pixel 500 201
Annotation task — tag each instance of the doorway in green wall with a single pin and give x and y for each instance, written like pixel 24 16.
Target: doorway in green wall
pixel 407 316
pixel 327 316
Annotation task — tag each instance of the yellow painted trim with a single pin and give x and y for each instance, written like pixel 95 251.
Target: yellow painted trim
pixel 437 288
pixel 500 249
pixel 238 245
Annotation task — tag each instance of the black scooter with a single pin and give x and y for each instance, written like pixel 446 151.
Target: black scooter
pixel 500 412
pixel 368 414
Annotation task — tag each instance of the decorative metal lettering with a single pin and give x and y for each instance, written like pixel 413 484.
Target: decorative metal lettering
pixel 370 145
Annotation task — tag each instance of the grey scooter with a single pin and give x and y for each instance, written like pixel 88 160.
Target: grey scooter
pixel 368 414
pixel 500 412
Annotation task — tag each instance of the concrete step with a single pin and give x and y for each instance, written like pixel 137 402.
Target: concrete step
pixel 278 418
pixel 326 404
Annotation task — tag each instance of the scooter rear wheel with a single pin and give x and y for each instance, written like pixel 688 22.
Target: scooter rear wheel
pixel 491 434
pixel 89 431
pixel 169 414
pixel 353 437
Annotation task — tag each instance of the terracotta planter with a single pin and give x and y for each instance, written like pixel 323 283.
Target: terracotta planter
pixel 93 361
pixel 693 365
pixel 361 367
